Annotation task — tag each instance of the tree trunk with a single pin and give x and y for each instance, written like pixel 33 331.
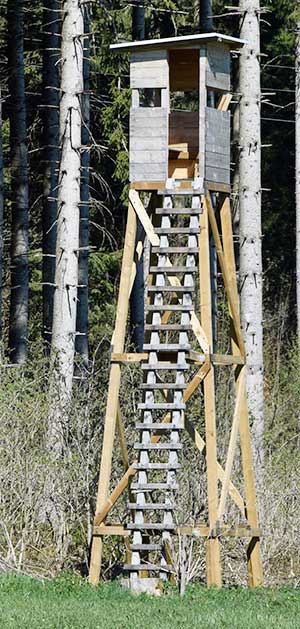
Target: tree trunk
pixel 51 55
pixel 18 323
pixel 297 182
pixel 205 15
pixel 250 219
pixel 1 224
pixel 67 245
pixel 138 21
pixel 82 346
pixel 137 294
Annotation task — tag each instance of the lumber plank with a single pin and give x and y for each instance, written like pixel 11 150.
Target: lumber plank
pixel 254 560
pixel 212 549
pixel 241 390
pixel 226 277
pixel 128 358
pixel 111 529
pixel 113 388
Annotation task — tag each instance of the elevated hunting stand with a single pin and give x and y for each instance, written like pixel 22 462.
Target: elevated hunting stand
pixel 180 158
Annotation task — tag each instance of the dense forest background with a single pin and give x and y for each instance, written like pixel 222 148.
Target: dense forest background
pixel 24 462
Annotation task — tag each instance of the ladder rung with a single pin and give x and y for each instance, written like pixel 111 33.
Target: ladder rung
pixel 176 230
pixel 165 211
pixel 148 567
pixel 158 506
pixel 171 289
pixel 164 366
pixel 170 307
pixel 158 446
pixel 168 327
pixel 164 406
pixel 150 547
pixel 163 385
pixel 166 347
pixel 157 466
pixel 173 270
pixel 165 250
pixel 180 192
pixel 153 487
pixel 147 526
pixel 147 386
pixel 158 426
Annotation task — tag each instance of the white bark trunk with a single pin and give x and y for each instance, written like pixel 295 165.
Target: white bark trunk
pixel 51 97
pixel 82 344
pixel 67 247
pixel 297 177
pixel 250 219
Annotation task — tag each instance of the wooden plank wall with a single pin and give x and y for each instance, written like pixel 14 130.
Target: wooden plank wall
pixel 148 148
pixel 148 144
pixel 217 146
pixel 149 68
pixel 218 67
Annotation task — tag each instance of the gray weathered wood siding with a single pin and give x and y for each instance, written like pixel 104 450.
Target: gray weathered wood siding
pixel 217 146
pixel 218 67
pixel 149 69
pixel 148 148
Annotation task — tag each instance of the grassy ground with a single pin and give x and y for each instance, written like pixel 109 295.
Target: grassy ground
pixel 68 602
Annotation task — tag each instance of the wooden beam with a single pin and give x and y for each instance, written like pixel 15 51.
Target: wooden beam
pixel 216 359
pixel 113 388
pixel 225 274
pixel 196 380
pixel 128 358
pixel 111 529
pixel 255 570
pixel 241 388
pixel 224 102
pixel 196 530
pixel 121 433
pixel 202 109
pixel 202 530
pixel 212 549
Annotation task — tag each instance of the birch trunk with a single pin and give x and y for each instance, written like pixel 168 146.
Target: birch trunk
pixel 51 56
pixel 137 315
pixel 67 246
pixel 250 219
pixel 82 346
pixel 18 321
pixel 297 178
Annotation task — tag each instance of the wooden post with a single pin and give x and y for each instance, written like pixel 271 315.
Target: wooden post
pixel 213 550
pixel 255 571
pixel 113 388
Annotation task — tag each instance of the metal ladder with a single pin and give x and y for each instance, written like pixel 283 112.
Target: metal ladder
pixel 164 385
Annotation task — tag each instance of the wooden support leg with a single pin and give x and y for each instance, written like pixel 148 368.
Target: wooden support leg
pixel 113 388
pixel 213 549
pixel 255 571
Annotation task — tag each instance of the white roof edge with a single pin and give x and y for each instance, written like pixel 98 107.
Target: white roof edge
pixel 166 41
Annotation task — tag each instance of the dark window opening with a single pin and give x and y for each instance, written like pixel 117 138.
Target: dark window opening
pixel 150 97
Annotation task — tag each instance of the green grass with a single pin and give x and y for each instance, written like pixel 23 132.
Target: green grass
pixel 68 602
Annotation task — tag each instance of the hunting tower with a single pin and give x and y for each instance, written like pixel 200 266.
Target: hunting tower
pixel 179 170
